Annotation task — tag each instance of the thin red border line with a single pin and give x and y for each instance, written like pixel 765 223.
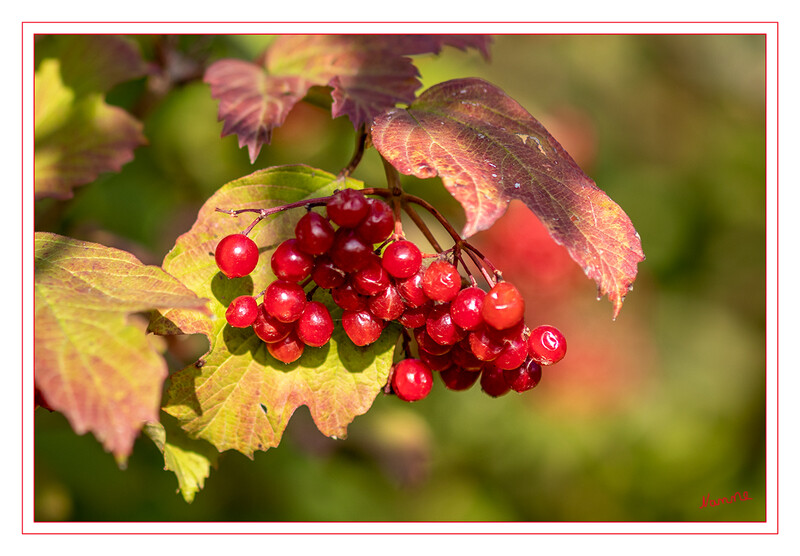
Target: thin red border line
pixel 472 22
pixel 518 533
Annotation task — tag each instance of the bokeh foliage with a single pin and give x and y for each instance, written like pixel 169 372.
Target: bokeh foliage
pixel 644 417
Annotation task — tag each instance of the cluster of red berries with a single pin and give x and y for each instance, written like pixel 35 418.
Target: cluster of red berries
pixel 461 331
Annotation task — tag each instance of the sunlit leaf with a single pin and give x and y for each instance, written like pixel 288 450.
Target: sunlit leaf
pixel 239 397
pixel 93 361
pixel 367 74
pixel 488 150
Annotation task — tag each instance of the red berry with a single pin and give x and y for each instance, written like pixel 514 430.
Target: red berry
pixel 436 362
pixel 401 259
pixel 515 351
pixel 387 305
pixel 347 208
pixel 547 345
pixel 242 311
pixel 326 274
pixel 411 380
pixel 362 327
pixel 410 289
pixel 441 328
pixel 441 281
pixel 291 263
pixel 458 379
pixel 524 377
pixel 346 297
pixel 372 279
pixel 284 300
pixel 270 329
pixel 485 343
pixel 426 343
pixel 466 308
pixel 492 381
pixel 414 317
pixel 315 325
pixel 503 306
pixel 349 252
pixel 379 223
pixel 287 350
pixel 465 359
pixel 314 234
pixel 236 255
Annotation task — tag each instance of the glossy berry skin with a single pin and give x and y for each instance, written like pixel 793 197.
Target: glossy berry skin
pixel 414 317
pixel 327 275
pixel 314 234
pixel 401 259
pixel 362 327
pixel 236 255
pixel 466 308
pixel 441 281
pixel 378 224
pixel 493 382
pixel 485 343
pixel 547 345
pixel 412 380
pixel 372 279
pixel 242 311
pixel 270 329
pixel 347 208
pixel 426 343
pixel 436 362
pixel 514 353
pixel 287 350
pixel 291 263
pixel 315 325
pixel 524 377
pixel 465 359
pixel 410 289
pixel 503 306
pixel 349 252
pixel 458 379
pixel 387 305
pixel 441 328
pixel 346 297
pixel 284 300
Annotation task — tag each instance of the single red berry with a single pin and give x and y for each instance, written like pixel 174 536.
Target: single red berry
pixel 327 275
pixel 465 359
pixel 414 317
pixel 441 328
pixel 458 379
pixel 284 300
pixel 441 281
pixel 242 311
pixel 379 223
pixel 347 208
pixel 426 343
pixel 362 327
pixel 315 325
pixel 411 380
pixel 524 377
pixel 372 279
pixel 492 381
pixel 314 233
pixel 387 305
pixel 349 252
pixel 346 297
pixel 436 362
pixel 485 343
pixel 515 351
pixel 401 259
pixel 503 306
pixel 287 350
pixel 466 308
pixel 270 329
pixel 547 345
pixel 410 289
pixel 236 255
pixel 291 263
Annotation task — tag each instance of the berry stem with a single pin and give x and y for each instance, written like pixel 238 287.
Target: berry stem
pixel 361 142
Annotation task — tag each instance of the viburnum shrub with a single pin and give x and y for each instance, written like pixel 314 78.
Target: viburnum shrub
pixel 306 282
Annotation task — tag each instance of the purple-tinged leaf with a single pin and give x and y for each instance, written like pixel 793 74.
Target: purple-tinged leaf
pixel 488 150
pixel 252 103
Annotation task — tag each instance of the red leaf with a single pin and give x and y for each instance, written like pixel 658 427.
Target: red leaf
pixel 489 150
pixel 252 103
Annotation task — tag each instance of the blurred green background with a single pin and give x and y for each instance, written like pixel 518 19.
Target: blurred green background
pixel 644 417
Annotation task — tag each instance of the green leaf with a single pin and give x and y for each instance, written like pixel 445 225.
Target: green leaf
pixel 190 460
pixel 239 397
pixel 488 150
pixel 77 135
pixel 93 361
